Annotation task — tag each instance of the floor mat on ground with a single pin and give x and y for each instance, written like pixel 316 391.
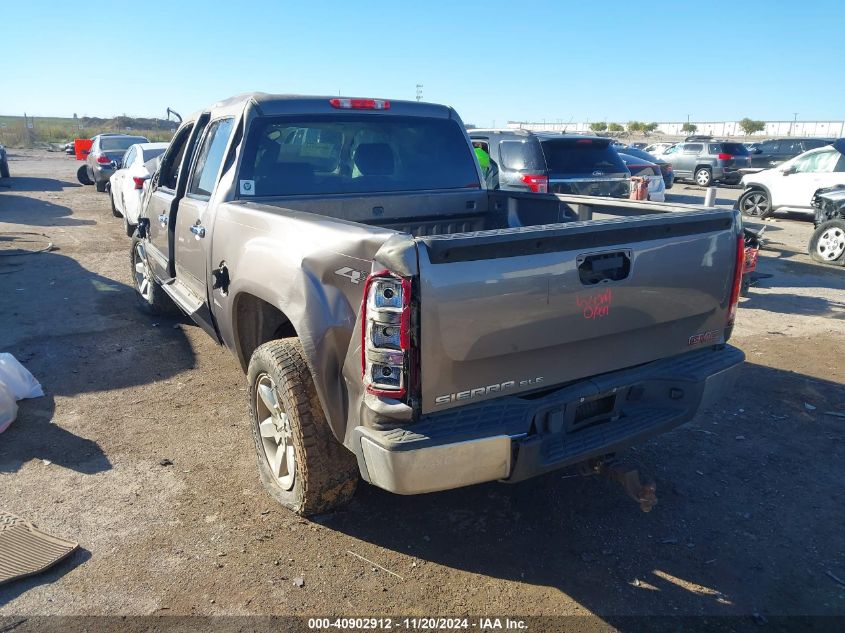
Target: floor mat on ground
pixel 25 550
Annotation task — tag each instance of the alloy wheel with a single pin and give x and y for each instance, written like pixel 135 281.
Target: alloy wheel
pixel 143 275
pixel 274 427
pixel 755 204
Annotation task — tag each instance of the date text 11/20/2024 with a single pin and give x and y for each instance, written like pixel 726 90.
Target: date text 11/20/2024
pixel 415 624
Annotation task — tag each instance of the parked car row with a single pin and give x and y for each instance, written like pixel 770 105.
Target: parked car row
pixel 120 164
pixel 521 160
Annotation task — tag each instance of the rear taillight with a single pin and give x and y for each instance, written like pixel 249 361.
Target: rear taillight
pixel 139 182
pixel 386 334
pixel 668 168
pixel 360 104
pixel 723 156
pixel 739 264
pixel 538 183
pixel 103 159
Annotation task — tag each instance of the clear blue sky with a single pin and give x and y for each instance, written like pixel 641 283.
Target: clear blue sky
pixel 493 61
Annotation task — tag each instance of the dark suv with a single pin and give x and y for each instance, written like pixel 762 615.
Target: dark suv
pixel 557 163
pixel 707 162
pixel 107 151
pixel 773 152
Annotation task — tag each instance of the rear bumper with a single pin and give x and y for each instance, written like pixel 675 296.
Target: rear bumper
pixel 514 438
pixel 730 175
pixel 102 173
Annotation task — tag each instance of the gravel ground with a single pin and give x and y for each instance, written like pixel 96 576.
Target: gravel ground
pixel 748 519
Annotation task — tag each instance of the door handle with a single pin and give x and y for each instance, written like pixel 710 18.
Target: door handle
pixel 198 230
pixel 162 219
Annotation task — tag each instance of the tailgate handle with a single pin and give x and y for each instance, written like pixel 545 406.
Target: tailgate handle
pixel 604 267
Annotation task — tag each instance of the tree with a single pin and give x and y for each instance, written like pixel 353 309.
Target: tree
pixel 598 126
pixel 749 126
pixel 689 128
pixel 648 128
pixel 615 127
pixel 635 126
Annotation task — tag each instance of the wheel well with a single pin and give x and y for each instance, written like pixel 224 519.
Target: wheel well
pixel 256 322
pixel 707 167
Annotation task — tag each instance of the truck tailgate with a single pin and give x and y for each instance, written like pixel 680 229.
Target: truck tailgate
pixel 519 310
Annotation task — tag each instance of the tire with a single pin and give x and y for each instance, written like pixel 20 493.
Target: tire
pixel 82 176
pixel 827 244
pixel 152 299
pixel 114 210
pixel 703 177
pixel 4 169
pixel 313 472
pixel 755 203
pixel 101 186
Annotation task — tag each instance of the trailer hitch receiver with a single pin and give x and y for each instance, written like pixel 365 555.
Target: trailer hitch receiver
pixel 627 476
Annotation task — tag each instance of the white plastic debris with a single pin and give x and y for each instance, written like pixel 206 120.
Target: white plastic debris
pixel 16 383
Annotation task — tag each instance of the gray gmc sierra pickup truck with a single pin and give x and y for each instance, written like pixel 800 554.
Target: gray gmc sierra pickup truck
pixel 399 322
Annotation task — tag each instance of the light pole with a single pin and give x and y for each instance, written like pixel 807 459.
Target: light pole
pixel 794 121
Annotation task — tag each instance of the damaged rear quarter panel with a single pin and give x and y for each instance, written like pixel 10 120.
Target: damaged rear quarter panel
pixel 312 269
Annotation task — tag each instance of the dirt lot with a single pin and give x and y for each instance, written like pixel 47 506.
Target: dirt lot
pixel 749 520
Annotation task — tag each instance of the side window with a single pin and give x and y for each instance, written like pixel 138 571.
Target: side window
pixel 769 147
pixel 169 172
pixel 819 162
pixel 481 144
pixel 693 148
pixel 129 157
pixel 824 162
pixel 840 164
pixel 814 143
pixel 673 149
pixel 790 147
pixel 210 157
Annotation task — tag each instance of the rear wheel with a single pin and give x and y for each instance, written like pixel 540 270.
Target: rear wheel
pixel 703 176
pixel 82 176
pixel 755 203
pixel 114 210
pixel 827 244
pixel 300 462
pixel 4 168
pixel 152 299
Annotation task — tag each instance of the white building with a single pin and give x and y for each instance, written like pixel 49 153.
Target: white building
pixel 830 129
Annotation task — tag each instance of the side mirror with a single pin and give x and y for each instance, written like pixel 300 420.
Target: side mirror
pixel 788 170
pixel 757 150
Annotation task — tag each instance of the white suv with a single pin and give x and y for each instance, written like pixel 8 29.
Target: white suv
pixel 791 185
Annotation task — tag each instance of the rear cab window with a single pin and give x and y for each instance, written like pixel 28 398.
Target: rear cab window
pixel 355 153
pixel 582 156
